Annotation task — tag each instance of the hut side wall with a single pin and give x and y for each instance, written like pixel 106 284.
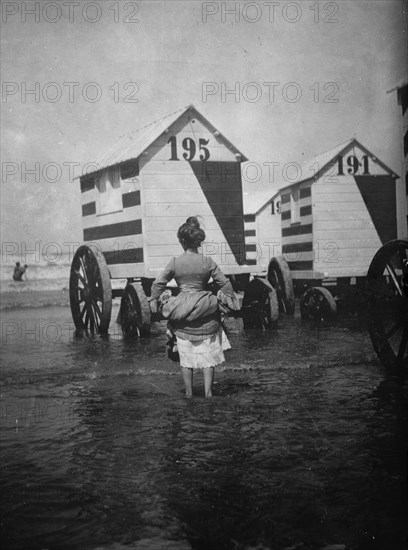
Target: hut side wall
pixel 112 219
pixel 347 227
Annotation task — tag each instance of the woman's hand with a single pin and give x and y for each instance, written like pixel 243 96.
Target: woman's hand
pixel 153 305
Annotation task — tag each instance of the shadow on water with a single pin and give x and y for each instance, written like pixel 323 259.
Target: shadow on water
pixel 303 445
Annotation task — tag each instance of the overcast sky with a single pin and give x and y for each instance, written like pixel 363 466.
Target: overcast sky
pixel 341 56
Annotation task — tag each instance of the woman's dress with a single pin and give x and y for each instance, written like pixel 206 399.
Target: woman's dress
pixel 193 315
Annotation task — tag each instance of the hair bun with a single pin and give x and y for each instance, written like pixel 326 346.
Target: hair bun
pixel 193 222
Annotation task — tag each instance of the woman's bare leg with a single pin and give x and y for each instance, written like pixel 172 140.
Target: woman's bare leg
pixel 208 380
pixel 188 380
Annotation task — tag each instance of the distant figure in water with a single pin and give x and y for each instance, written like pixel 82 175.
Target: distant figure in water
pixel 194 319
pixel 19 271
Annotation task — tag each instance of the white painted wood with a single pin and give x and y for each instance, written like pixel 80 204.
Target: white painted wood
pixel 118 243
pixel 300 256
pixel 341 221
pixel 162 151
pixel 120 271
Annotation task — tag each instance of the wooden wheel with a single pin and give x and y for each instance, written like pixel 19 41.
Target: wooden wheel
pixel 260 307
pixel 317 304
pixel 90 291
pixel 387 281
pixel 280 278
pixel 134 312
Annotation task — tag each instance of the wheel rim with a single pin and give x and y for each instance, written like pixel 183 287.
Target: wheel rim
pixel 318 305
pixel 90 291
pixel 388 303
pixel 134 312
pixel 279 277
pixel 260 305
pixel 130 309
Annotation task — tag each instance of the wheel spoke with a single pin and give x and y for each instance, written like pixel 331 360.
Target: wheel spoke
pixel 83 312
pixel 91 318
pixel 96 318
pixel 86 316
pixel 402 251
pixel 81 260
pixel 393 330
pixel 80 278
pixel 403 345
pixel 394 278
pixel 97 309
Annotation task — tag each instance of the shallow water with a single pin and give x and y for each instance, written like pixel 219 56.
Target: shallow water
pixel 303 444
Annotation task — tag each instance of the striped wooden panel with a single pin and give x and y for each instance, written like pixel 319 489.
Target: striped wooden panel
pixel 87 183
pixel 303 256
pixel 300 265
pixel 305 210
pixel 128 214
pixel 131 199
pixel 251 239
pixel 89 209
pixel 297 247
pixel 122 229
pixel 127 256
pixel 307 237
pixel 303 220
pixel 305 192
pixel 299 229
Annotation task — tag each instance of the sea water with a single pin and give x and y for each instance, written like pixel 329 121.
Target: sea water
pixel 303 444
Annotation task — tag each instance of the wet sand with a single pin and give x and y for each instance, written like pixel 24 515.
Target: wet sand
pixel 303 445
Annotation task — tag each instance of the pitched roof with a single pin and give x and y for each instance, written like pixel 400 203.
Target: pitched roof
pixel 401 84
pixel 132 145
pixel 255 201
pixel 314 168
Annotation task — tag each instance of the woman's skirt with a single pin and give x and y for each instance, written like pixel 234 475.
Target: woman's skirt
pixel 207 353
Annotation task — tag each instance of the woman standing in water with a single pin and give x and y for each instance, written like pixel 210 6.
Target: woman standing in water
pixel 193 315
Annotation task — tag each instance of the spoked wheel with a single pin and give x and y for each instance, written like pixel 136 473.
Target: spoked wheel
pixel 317 304
pixel 134 312
pixel 280 278
pixel 90 291
pixel 260 305
pixel 387 280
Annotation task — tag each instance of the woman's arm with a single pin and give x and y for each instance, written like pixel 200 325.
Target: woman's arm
pixel 220 280
pixel 159 284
